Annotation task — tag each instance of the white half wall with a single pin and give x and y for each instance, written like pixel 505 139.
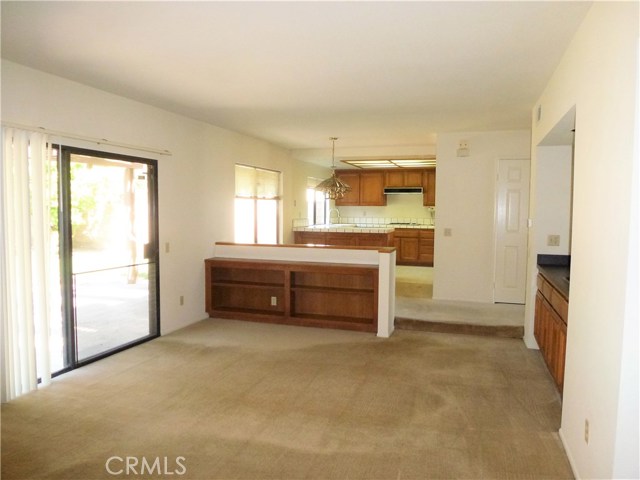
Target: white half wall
pixel 196 183
pixel 465 202
pixel 598 76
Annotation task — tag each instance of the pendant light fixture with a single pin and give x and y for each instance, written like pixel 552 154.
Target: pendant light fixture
pixel 333 187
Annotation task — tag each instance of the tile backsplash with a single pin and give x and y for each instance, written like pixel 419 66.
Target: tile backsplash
pixel 430 221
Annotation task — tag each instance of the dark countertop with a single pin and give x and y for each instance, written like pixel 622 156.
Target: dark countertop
pixel 556 269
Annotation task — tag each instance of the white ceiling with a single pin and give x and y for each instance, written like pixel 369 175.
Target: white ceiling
pixel 296 73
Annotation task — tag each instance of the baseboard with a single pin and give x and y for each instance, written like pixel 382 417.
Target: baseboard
pixel 568 454
pixel 504 331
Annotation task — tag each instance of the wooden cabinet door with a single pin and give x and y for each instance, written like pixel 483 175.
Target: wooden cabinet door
pixel 538 322
pixel 372 240
pixel 372 188
pixel 342 239
pixel 351 198
pixel 551 334
pixel 426 247
pixel 429 187
pixel 403 178
pixel 394 178
pixel 409 249
pixel 317 238
pixel 413 178
pixel 560 352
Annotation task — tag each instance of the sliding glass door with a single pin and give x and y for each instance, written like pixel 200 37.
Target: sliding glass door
pixel 109 254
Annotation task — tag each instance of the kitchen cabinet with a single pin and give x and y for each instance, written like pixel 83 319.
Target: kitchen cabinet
pixel 351 198
pixel 345 239
pixel 403 178
pixel 429 187
pixel 407 243
pixel 372 189
pixel 414 246
pixel 341 239
pixel 550 328
pixel 425 255
pixel 367 189
pixel 295 293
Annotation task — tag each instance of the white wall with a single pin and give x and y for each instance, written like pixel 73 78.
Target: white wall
pixel 196 183
pixel 553 194
pixel 465 200
pixel 598 75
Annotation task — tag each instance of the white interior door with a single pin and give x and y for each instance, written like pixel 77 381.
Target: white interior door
pixel 512 207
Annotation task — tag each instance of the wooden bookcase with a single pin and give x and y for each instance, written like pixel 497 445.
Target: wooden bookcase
pixel 311 294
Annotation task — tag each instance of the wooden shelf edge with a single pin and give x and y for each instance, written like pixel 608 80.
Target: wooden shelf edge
pixel 248 284
pixel 310 288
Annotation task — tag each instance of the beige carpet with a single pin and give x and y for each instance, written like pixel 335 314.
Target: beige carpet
pixel 255 401
pixel 417 310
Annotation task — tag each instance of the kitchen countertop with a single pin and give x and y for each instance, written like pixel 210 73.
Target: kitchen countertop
pixel 358 228
pixel 556 269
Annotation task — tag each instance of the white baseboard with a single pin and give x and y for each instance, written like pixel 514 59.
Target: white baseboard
pixel 568 453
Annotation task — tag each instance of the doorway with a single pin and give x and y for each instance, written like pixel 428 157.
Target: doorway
pixel 108 230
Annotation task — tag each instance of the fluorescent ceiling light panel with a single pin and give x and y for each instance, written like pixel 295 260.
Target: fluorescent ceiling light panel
pixel 410 162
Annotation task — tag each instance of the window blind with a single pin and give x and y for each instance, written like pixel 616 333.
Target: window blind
pixel 252 182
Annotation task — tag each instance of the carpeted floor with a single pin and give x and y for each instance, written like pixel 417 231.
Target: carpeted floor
pixel 417 310
pixel 255 401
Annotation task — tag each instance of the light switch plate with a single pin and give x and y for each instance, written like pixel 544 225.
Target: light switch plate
pixel 553 240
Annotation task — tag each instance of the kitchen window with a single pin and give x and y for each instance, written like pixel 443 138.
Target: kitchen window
pixel 317 204
pixel 257 205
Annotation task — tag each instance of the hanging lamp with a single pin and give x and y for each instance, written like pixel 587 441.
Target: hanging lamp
pixel 333 187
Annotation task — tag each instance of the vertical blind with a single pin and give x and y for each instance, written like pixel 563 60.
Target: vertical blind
pixel 25 262
pixel 252 182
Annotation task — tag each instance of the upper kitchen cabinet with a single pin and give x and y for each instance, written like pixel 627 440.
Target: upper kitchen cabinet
pixel 403 178
pixel 372 189
pixel 367 188
pixel 429 187
pixel 351 198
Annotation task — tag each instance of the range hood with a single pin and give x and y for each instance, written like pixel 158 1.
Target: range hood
pixel 402 190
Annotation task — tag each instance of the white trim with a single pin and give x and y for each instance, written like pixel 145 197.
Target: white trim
pixel 567 452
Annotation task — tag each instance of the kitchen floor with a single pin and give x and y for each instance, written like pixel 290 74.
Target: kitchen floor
pixel 414 301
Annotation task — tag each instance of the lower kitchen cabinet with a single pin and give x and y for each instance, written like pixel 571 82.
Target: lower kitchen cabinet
pixel 426 247
pixel 407 243
pixel 414 246
pixel 345 239
pixel 550 328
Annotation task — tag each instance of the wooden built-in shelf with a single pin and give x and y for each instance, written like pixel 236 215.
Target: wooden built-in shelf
pixel 315 294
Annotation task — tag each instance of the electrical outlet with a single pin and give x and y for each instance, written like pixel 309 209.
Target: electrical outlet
pixel 553 240
pixel 167 247
pixel 447 232
pixel 181 300
pixel 274 301
pixel 586 431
